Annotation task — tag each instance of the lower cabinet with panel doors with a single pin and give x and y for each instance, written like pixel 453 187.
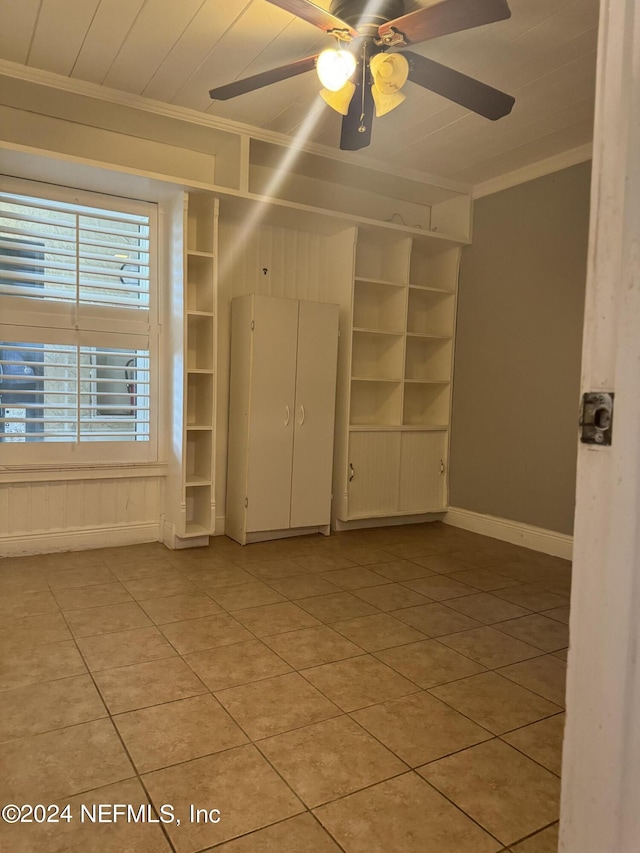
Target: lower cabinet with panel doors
pixel 395 472
pixel 281 417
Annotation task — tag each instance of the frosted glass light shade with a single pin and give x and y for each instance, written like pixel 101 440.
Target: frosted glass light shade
pixel 340 100
pixel 334 68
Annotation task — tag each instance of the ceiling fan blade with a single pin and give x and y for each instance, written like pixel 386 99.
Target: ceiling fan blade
pixel 314 15
pixel 360 115
pixel 448 16
pixel 250 84
pixel 466 91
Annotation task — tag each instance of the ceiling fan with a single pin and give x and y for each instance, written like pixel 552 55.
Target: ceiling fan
pixel 364 76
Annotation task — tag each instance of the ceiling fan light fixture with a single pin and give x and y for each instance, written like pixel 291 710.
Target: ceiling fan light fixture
pixel 390 72
pixel 340 100
pixel 335 67
pixel 385 103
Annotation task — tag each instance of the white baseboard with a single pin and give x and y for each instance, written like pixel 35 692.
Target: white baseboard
pixel 515 532
pixel 24 544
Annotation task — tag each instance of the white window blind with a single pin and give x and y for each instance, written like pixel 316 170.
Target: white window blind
pixel 78 342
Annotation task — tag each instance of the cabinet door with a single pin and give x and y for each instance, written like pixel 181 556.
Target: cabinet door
pixel 422 479
pixel 315 414
pixel 374 458
pixel 271 412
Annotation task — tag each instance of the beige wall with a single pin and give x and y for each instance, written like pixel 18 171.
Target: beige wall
pixel 517 369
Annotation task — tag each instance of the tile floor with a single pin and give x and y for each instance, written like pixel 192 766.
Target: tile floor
pixel 394 690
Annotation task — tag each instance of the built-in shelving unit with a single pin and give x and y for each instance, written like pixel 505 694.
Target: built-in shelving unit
pixel 400 370
pixel 199 365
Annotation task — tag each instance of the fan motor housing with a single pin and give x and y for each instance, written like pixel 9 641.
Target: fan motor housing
pixel 357 14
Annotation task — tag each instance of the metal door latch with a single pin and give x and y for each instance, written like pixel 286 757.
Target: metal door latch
pixel 597 418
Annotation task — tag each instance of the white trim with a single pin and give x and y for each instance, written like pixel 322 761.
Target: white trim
pixel 129 99
pixel 534 170
pixel 81 539
pixel 385 521
pixel 54 474
pixel 516 532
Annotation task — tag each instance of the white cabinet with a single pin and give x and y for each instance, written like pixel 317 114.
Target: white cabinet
pixel 281 416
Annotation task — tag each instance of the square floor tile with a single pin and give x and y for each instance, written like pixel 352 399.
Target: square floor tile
pixel 177 608
pixel 405 815
pixel 365 556
pixel 241 663
pixel 338 606
pixel 435 620
pixel 354 578
pixel 505 792
pixel 269 570
pixel 495 702
pixel 107 651
pixel 392 596
pixel 16 605
pixel 488 647
pixel 443 564
pixel 561 614
pixel 428 663
pixel 295 835
pixel 532 597
pixel 212 577
pixel 158 586
pixel 484 579
pixel 400 570
pixel 57 764
pixel 33 630
pixel 87 837
pixel 327 760
pixel 312 646
pixel 248 793
pixel 177 731
pixel 358 682
pixel 208 632
pixel 142 685
pixel 439 587
pixel 541 741
pixel 380 631
pixel 542 842
pixel 79 576
pixel 109 619
pixel 241 596
pixel 419 728
pixel 315 562
pixel 48 706
pixel 99 595
pixel 276 705
pixel 487 608
pixel 303 586
pixel 539 631
pixel 544 675
pixel 276 618
pixel 31 664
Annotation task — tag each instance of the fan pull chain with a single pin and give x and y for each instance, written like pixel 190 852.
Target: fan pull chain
pixel 362 128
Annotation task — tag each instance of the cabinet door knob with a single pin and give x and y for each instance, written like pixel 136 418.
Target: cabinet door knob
pixel 287 415
pixel 302 413
pixel 352 472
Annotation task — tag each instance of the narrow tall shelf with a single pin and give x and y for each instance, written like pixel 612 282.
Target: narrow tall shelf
pixel 200 223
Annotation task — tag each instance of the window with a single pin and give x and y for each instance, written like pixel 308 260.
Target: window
pixel 78 326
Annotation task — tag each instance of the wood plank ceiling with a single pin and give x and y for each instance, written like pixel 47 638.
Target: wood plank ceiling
pixel 175 50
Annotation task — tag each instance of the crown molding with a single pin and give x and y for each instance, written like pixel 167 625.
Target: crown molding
pixel 535 170
pixel 129 99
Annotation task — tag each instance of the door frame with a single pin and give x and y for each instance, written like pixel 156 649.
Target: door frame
pixel 600 810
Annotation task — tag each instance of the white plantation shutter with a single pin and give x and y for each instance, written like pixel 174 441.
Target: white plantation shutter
pixel 78 327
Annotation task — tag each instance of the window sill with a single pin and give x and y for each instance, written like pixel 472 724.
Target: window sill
pixel 55 473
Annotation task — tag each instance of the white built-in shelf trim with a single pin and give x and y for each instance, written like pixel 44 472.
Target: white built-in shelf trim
pixel 398 428
pixel 379 281
pixel 200 370
pixel 197 254
pixel 374 379
pixel 437 291
pixel 429 337
pixel 195 313
pixel 199 427
pixel 428 381
pixel 366 331
pixel 195 530
pixel 194 482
